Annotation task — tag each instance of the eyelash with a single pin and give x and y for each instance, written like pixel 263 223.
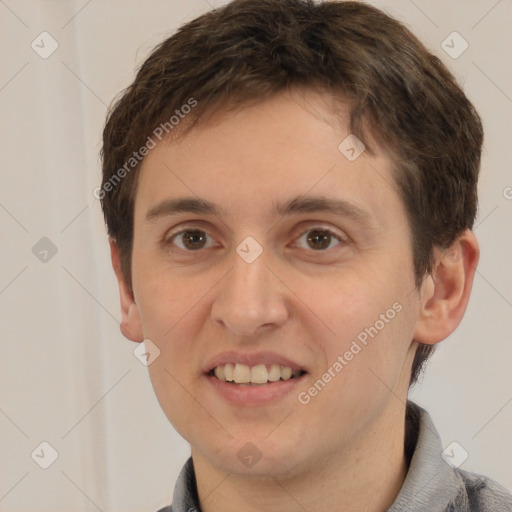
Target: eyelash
pixel 169 239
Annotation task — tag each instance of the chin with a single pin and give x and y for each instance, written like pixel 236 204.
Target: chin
pixel 277 466
pixel 260 459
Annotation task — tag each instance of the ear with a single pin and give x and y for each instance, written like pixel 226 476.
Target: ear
pixel 444 294
pixel 131 325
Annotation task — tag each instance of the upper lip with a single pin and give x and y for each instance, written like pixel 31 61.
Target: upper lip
pixel 251 359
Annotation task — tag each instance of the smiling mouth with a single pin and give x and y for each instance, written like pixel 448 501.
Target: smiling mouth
pixel 257 375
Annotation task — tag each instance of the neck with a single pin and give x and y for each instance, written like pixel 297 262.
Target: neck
pixel 365 477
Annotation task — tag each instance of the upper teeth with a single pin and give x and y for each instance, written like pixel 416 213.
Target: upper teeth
pixel 259 374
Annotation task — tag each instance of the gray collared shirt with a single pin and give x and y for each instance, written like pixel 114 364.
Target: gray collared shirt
pixel 431 485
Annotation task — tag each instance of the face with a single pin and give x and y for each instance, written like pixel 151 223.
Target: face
pixel 257 242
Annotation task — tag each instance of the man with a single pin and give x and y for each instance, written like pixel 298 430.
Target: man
pixel 289 188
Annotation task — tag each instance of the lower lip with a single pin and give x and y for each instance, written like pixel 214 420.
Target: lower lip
pixel 254 395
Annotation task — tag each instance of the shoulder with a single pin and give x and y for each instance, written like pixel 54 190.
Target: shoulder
pixel 479 493
pixel 435 485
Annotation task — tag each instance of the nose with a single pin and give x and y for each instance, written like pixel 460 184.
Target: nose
pixel 251 299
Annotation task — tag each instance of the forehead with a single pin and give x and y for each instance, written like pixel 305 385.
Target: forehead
pixel 250 160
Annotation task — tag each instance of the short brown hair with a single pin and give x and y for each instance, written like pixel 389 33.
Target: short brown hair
pixel 397 92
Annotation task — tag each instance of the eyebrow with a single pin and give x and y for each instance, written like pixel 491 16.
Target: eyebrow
pixel 294 206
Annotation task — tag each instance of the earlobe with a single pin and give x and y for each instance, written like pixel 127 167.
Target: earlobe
pixel 131 324
pixel 445 293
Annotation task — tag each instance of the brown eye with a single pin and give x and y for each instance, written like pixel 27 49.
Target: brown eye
pixel 319 239
pixel 190 240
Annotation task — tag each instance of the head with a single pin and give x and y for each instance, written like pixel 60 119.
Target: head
pixel 247 107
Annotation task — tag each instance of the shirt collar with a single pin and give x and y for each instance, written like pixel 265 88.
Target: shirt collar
pixel 430 483
pixel 185 498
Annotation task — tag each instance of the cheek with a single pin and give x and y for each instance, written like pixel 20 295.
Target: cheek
pixel 348 304
pixel 166 301
pixel 174 393
pixel 172 311
pixel 371 326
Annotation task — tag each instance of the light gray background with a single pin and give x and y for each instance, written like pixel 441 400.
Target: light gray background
pixel 68 375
